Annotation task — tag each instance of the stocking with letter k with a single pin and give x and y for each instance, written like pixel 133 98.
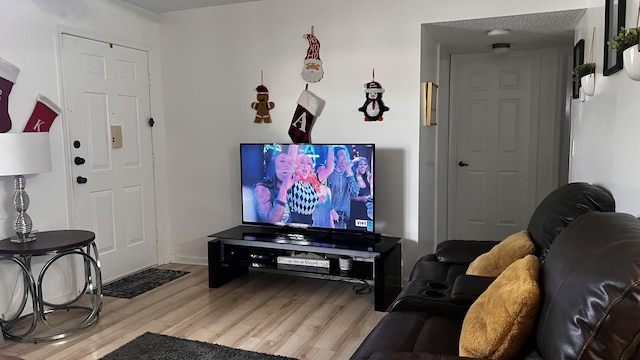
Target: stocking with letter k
pixel 44 112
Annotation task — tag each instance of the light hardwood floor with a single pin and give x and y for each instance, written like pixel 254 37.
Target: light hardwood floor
pixel 271 313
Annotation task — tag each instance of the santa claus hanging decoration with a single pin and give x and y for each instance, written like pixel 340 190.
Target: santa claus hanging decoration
pixel 373 107
pixel 312 69
pixel 262 105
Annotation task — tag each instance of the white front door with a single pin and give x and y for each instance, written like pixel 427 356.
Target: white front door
pixel 491 126
pixel 107 93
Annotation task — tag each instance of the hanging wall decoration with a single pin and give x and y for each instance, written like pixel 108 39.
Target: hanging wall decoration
pixel 614 19
pixel 586 71
pixel 429 103
pixel 44 113
pixel 308 109
pixel 578 59
pixel 262 105
pixel 8 76
pixel 312 69
pixel 626 43
pixel 373 107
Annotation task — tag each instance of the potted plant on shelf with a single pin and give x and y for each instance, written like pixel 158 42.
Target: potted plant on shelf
pixel 586 73
pixel 584 70
pixel 627 42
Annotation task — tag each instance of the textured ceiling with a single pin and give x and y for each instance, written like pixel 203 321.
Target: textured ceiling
pixel 162 6
pixel 531 31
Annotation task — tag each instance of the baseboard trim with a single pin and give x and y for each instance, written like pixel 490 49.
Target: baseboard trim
pixel 190 260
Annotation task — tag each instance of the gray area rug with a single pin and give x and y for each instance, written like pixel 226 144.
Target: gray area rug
pixel 135 284
pixel 150 346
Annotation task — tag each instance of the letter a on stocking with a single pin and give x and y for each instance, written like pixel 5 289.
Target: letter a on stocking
pixel 8 76
pixel 308 108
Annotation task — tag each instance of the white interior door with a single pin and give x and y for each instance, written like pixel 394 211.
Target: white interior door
pixel 491 122
pixel 107 90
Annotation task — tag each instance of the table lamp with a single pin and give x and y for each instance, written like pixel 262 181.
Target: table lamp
pixel 23 154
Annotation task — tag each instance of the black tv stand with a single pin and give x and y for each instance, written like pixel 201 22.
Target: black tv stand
pixel 236 250
pixel 370 238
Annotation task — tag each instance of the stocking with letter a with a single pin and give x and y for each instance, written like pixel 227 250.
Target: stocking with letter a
pixel 307 110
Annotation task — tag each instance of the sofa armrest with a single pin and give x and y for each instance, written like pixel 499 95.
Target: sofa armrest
pixel 467 288
pixel 462 251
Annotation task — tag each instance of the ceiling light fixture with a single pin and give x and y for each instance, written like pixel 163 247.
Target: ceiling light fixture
pixel 498 32
pixel 501 49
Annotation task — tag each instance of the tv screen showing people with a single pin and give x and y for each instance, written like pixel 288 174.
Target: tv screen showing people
pixel 327 186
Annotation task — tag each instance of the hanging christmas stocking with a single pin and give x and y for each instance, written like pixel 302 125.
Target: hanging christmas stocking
pixel 43 115
pixel 8 76
pixel 308 108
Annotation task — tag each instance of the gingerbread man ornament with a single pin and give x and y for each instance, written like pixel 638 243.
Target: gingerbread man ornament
pixel 262 105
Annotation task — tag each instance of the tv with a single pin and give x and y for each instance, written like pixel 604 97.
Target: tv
pixel 323 188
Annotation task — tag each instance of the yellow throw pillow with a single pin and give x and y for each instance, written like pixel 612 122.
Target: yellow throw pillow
pixel 501 320
pixel 507 251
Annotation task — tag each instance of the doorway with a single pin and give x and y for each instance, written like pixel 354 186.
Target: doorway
pixel 493 140
pixel 108 111
pixel 551 35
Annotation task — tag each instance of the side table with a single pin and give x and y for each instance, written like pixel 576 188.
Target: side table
pixel 37 325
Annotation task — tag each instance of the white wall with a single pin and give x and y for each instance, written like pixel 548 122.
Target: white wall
pixel 605 126
pixel 212 60
pixel 30 33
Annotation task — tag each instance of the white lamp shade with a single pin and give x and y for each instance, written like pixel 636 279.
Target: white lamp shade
pixel 24 153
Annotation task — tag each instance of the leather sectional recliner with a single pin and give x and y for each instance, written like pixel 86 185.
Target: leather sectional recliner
pixel 590 302
pixel 426 318
pixel 438 281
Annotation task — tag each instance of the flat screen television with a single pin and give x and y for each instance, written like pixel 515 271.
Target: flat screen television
pixel 327 187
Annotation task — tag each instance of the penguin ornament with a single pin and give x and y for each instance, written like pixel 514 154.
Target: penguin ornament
pixel 373 107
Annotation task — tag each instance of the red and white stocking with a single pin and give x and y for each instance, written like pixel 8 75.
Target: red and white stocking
pixel 308 108
pixel 8 76
pixel 43 115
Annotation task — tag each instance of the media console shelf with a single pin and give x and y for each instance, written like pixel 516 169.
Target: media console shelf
pixel 234 251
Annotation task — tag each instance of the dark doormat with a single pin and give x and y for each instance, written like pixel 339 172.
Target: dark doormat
pixel 150 346
pixel 135 284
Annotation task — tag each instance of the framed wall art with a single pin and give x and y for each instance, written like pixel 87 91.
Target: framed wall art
pixel 614 14
pixel 578 59
pixel 429 103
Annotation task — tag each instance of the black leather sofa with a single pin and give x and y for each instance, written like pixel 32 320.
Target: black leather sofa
pixel 589 286
pixel 438 282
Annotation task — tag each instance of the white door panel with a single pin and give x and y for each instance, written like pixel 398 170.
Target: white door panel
pixel 491 120
pixel 108 85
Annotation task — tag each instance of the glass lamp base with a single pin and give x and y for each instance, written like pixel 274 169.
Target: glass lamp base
pixel 24 239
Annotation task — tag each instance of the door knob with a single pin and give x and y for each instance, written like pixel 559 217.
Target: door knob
pixel 462 163
pixel 81 180
pixel 78 160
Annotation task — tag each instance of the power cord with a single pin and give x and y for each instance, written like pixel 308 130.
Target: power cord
pixel 358 288
pixel 363 288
